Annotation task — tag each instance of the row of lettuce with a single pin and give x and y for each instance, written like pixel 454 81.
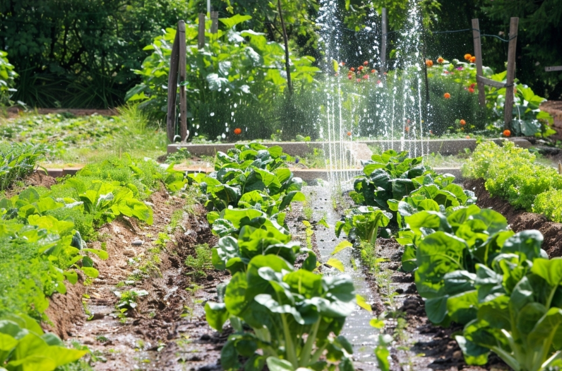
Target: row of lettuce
pixel 284 313
pixel 513 174
pixel 42 243
pixel 468 265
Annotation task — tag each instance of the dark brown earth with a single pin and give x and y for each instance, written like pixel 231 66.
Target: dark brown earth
pixel 167 331
pixel 519 219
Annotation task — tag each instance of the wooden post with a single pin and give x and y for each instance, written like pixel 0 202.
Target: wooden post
pixel 553 68
pixel 172 90
pixel 383 42
pixel 478 56
pixel 201 36
pixel 215 22
pixel 508 107
pixel 182 73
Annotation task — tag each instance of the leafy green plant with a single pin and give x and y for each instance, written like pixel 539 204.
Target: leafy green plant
pixel 519 179
pixel 7 77
pixel 25 346
pixel 363 223
pixel 200 261
pixel 224 78
pixel 549 204
pixel 18 161
pixel 292 314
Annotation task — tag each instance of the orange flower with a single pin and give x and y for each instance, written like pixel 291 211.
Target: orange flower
pixel 365 63
pixel 366 77
pixel 440 60
pixel 463 122
pixel 237 131
pixel 472 59
pixel 373 71
pixel 468 137
pixel 471 90
pixel 358 80
pixel 506 133
pixel 342 63
pixel 349 133
pixel 352 68
pixel 447 95
pixel 429 63
pixel 407 128
pixel 467 56
pixel 360 68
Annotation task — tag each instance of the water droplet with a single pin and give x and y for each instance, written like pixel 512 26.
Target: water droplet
pixel 212 114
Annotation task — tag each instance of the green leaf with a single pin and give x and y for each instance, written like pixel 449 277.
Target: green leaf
pixel 341 246
pixel 216 314
pixel 234 20
pixel 363 303
pixel 333 262
pixel 276 364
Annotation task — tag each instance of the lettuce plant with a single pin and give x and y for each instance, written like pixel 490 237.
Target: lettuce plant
pixel 363 223
pixel 24 346
pixel 295 317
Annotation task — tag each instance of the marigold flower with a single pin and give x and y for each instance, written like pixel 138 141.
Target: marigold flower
pixel 342 63
pixel 463 122
pixel 447 95
pixel 471 90
pixel 467 56
pixel 366 77
pixel 507 133
pixel 360 68
pixel 365 63
pixel 407 129
pixel 237 131
pixel 349 133
pixel 352 68
pixel 440 60
pixel 472 85
pixel 472 59
pixel 429 63
pixel 373 71
pixel 468 137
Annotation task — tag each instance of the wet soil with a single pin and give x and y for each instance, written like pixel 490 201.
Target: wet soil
pixel 167 330
pixel 520 220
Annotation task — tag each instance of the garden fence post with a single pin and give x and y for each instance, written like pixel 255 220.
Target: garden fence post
pixel 215 22
pixel 508 108
pixel 201 35
pixel 383 42
pixel 182 72
pixel 478 56
pixel 172 90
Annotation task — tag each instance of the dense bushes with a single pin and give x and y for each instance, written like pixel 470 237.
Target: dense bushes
pixel 235 81
pixel 80 53
pixel 7 76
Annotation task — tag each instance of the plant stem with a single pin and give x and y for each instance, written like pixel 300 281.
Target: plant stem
pixel 306 351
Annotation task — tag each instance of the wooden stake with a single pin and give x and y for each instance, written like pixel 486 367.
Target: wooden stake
pixel 214 22
pixel 201 35
pixel 560 168
pixel 172 90
pixel 478 56
pixel 508 107
pixel 383 42
pixel 182 72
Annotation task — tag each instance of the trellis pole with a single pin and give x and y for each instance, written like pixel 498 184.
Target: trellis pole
pixel 177 67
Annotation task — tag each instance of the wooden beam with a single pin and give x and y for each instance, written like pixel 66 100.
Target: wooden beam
pixel 509 98
pixel 553 68
pixel 478 56
pixel 214 21
pixel 182 71
pixel 201 34
pixel 485 81
pixel 384 41
pixel 172 90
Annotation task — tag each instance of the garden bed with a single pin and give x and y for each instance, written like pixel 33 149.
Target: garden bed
pixel 520 219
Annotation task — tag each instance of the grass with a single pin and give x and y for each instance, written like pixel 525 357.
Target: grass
pixel 84 140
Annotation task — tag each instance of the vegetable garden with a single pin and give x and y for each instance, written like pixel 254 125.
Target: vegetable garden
pixel 217 255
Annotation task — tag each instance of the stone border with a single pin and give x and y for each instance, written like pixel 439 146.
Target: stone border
pixel 443 146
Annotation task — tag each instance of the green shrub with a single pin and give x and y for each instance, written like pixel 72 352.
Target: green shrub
pixel 7 77
pixel 549 204
pixel 18 161
pixel 235 81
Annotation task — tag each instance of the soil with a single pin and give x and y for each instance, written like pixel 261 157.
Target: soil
pixel 167 330
pixel 520 220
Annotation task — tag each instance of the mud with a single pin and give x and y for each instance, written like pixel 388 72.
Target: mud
pixel 520 220
pixel 167 330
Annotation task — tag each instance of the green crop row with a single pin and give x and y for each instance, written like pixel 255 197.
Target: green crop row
pixel 471 269
pixel 283 317
pixel 18 161
pixel 511 173
pixel 42 247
